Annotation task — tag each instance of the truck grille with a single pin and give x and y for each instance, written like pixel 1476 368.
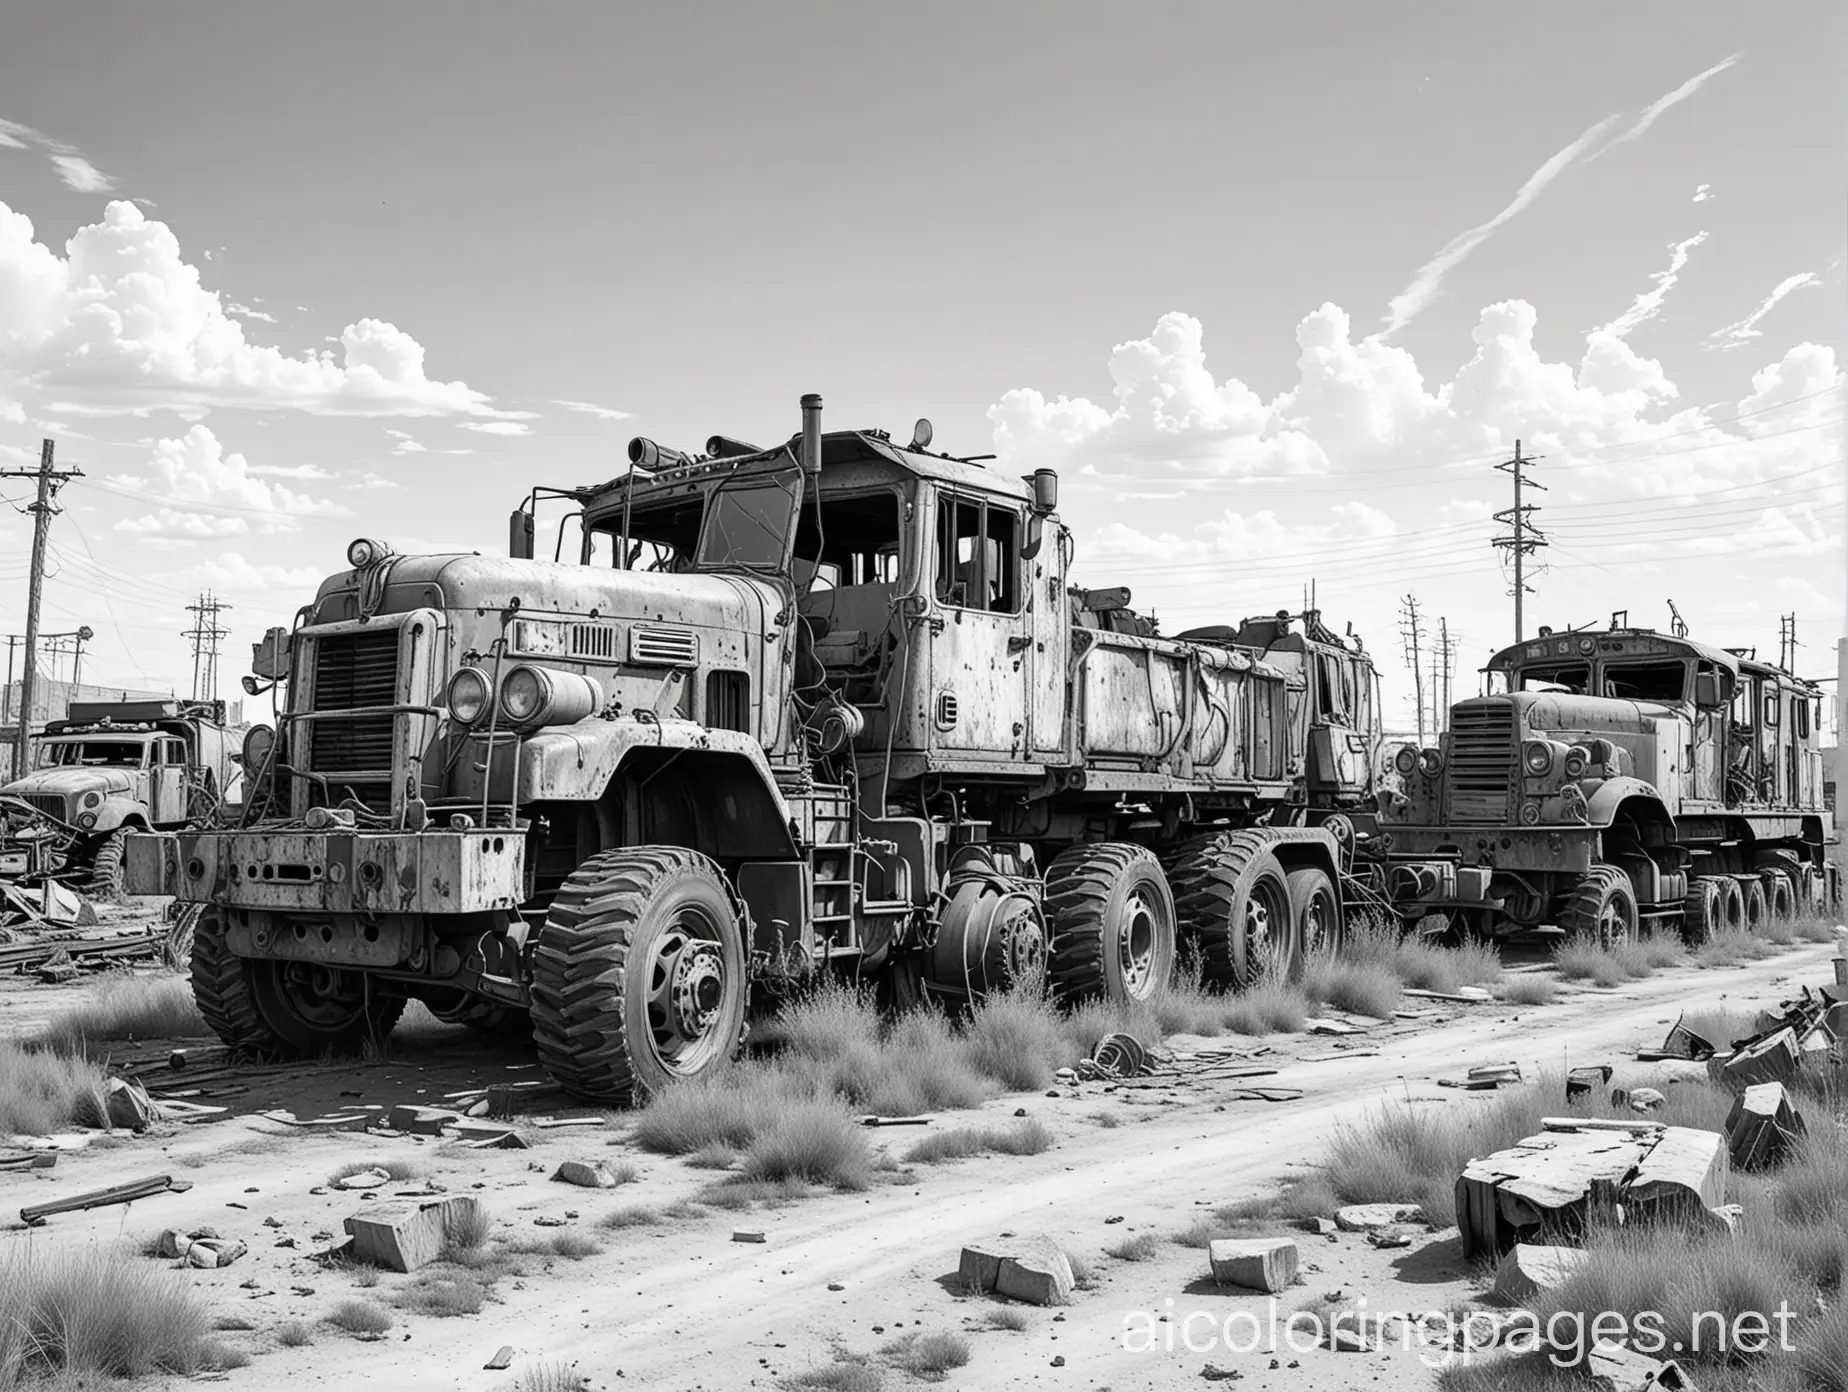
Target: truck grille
pixel 1481 762
pixel 52 804
pixel 353 671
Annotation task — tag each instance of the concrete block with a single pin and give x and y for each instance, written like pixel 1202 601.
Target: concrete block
pixel 587 1174
pixel 1529 1268
pixel 1762 1126
pixel 421 1121
pixel 405 1236
pixel 1773 1059
pixel 365 1179
pixel 1032 1268
pixel 1361 1217
pixel 1261 1263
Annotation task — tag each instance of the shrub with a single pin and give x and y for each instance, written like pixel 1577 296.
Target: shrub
pixel 443 1293
pixel 928 1355
pixel 127 1007
pixel 360 1317
pixel 551 1377
pixel 1029 1137
pixel 813 1140
pixel 466 1229
pixel 1006 1317
pixel 631 1216
pixel 42 1091
pixel 85 1312
pixel 1138 1248
pixel 1360 987
pixel 852 1376
pixel 1578 960
pixel 397 1169
pixel 1016 1039
pixel 1529 988
pixel 294 1334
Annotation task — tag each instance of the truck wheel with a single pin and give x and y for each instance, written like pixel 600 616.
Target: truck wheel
pixel 281 1009
pixel 1757 908
pixel 1780 896
pixel 1732 904
pixel 1110 920
pixel 105 881
pixel 1602 909
pixel 1703 912
pixel 1234 903
pixel 1315 914
pixel 638 974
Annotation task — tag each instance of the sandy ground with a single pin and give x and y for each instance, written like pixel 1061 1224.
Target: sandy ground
pixel 683 1306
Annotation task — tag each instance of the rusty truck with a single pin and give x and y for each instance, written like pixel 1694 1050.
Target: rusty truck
pixel 1616 779
pixel 109 768
pixel 832 702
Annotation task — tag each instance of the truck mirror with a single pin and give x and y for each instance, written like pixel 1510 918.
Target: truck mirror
pixel 1707 689
pixel 269 659
pixel 520 535
pixel 1045 492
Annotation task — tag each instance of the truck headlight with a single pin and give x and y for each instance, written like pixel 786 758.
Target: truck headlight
pixel 1431 761
pixel 1537 758
pixel 365 551
pixel 93 799
pixel 534 696
pixel 1405 760
pixel 86 820
pixel 1578 759
pixel 259 742
pixel 467 695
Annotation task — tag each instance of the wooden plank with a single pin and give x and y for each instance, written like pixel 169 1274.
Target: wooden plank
pixel 34 1214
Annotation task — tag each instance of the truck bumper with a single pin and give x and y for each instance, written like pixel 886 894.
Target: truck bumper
pixel 336 872
pixel 1569 850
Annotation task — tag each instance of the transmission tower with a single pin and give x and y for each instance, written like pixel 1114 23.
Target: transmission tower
pixel 1525 538
pixel 1409 621
pixel 1787 644
pixel 205 635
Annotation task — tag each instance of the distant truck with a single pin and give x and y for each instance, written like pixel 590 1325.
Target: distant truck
pixel 112 767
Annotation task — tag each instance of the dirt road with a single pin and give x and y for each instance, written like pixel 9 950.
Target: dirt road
pixel 684 1307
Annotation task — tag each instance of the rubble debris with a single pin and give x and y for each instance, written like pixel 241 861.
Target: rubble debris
pixel 420 1121
pixel 1393 1235
pixel 1553 1180
pixel 1465 995
pixel 1772 1059
pixel 586 1174
pixel 1530 1268
pixel 42 1160
pixel 1029 1267
pixel 1116 1056
pixel 1613 1368
pixel 405 1236
pixel 1762 1126
pixel 203 1247
pixel 35 1214
pixel 1642 1099
pixel 1331 1027
pixel 128 1106
pixel 503 1358
pixel 1682 1043
pixel 895 1121
pixel 79 952
pixel 365 1179
pixel 1363 1217
pixel 1582 1081
pixel 1258 1263
pixel 749 1235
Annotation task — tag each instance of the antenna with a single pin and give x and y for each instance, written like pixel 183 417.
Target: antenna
pixel 1676 624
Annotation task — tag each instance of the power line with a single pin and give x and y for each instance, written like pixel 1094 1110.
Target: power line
pixel 205 635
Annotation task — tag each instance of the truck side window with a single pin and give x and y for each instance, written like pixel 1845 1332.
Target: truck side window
pixel 978 556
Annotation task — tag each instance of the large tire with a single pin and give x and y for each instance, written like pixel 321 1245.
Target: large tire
pixel 1601 910
pixel 1110 924
pixel 1780 896
pixel 1732 904
pixel 1234 903
pixel 1315 915
pixel 106 883
pixel 639 975
pixel 1757 907
pixel 281 1009
pixel 1703 911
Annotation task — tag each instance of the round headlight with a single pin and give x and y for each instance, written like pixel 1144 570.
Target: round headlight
pixel 1530 814
pixel 86 820
pixel 258 742
pixel 1587 647
pixel 1431 761
pixel 1537 755
pixel 1577 759
pixel 467 695
pixel 1405 760
pixel 92 799
pixel 365 551
pixel 522 694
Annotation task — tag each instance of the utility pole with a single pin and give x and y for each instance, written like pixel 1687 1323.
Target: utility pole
pixel 1447 649
pixel 1526 538
pixel 43 510
pixel 1409 620
pixel 1787 644
pixel 205 634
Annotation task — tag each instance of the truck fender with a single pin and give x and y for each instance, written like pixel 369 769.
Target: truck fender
pixel 1611 797
pixel 748 815
pixel 119 811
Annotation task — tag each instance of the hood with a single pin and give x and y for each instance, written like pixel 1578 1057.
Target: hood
pixel 68 782
pixel 1549 710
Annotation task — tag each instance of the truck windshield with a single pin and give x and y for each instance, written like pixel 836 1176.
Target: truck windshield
pixel 1646 681
pixel 91 754
pixel 1570 677
pixel 748 523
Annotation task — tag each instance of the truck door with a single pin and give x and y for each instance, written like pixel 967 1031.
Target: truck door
pixel 980 632
pixel 1707 759
pixel 1051 628
pixel 167 780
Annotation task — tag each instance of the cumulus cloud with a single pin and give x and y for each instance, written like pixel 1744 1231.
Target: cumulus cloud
pixel 75 171
pixel 590 408
pixel 1737 335
pixel 122 324
pixel 207 492
pixel 228 572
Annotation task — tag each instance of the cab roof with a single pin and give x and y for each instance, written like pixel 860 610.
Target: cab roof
pixel 1569 643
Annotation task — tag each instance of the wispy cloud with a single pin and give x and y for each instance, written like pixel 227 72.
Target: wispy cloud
pixel 246 312
pixel 76 171
pixel 497 427
pixel 590 408
pixel 1703 193
pixel 1409 302
pixel 1646 305
pixel 1737 335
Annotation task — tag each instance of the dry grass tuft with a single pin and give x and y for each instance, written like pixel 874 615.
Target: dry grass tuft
pixel 84 1312
pixel 397 1169
pixel 1360 988
pixel 1008 1318
pixel 361 1317
pixel 466 1230
pixel 443 1293
pixel 631 1216
pixel 127 1008
pixel 1630 961
pixel 814 1141
pixel 42 1091
pixel 551 1377
pixel 1141 1247
pixel 1029 1137
pixel 1529 988
pixel 295 1334
pixel 927 1356
pixel 1018 1040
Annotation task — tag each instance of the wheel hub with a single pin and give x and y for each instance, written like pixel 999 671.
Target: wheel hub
pixel 1136 943
pixel 698 987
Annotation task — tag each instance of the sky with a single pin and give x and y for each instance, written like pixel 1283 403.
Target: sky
pixel 1273 287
